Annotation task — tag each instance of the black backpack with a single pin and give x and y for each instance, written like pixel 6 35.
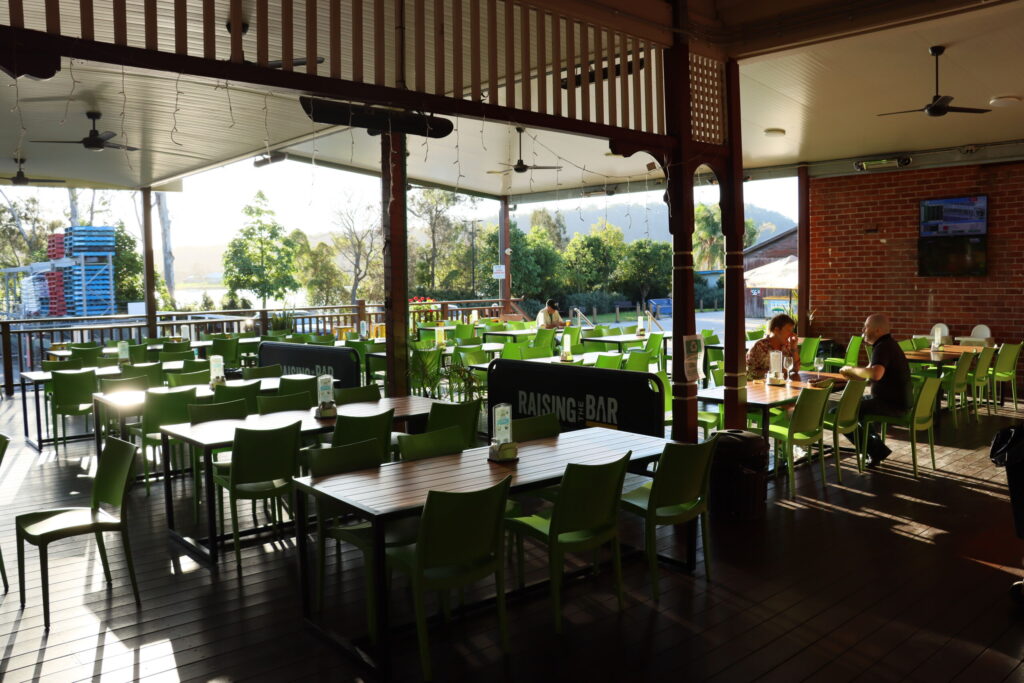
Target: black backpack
pixel 1008 446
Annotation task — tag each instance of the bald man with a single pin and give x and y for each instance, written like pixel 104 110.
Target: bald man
pixel 889 376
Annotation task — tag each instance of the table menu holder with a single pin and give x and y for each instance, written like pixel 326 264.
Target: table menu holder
pixel 503 453
pixel 775 379
pixel 217 371
pixel 325 398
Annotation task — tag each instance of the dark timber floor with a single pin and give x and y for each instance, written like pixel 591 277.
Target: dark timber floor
pixel 884 578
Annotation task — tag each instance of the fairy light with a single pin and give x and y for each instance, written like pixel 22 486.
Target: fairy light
pixel 71 95
pixel 231 109
pixel 426 139
pixel 647 201
pixel 266 122
pixel 124 114
pixel 174 115
pixel 21 119
pixel 458 157
pixel 352 137
pixel 629 216
pixel 483 145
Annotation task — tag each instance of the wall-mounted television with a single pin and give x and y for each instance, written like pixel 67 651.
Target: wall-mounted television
pixel 954 216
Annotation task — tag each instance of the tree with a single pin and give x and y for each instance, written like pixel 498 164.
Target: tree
pixel 129 273
pixel 23 231
pixel 552 224
pixel 547 258
pixel 358 242
pixel 590 260
pixel 261 259
pixel 433 207
pixel 708 239
pixel 321 277
pixel 645 270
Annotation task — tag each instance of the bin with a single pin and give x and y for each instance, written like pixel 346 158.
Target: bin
pixel 739 476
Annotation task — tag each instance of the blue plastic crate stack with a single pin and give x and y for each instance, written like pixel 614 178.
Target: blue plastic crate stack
pixel 95 243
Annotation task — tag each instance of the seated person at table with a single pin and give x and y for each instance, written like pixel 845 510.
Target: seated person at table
pixel 780 338
pixel 889 377
pixel 548 318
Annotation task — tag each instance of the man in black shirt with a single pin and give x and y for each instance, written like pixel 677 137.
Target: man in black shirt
pixel 889 375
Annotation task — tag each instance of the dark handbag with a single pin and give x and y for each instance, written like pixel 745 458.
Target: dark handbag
pixel 1008 446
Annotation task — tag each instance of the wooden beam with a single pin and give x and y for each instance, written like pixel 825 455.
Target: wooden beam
pixel 148 272
pixel 120 22
pixel 396 283
pixel 181 27
pixel 803 252
pixel 150 27
pixel 311 37
pixel 88 21
pixel 334 37
pixel 235 18
pixel 287 35
pixel 262 32
pixel 53 16
pixel 40 42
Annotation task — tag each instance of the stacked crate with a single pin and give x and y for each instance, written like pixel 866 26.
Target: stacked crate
pixel 55 279
pixel 91 291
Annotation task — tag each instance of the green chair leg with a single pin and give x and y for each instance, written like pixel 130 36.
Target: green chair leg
pixel 44 573
pixel 321 561
pixel 555 568
pixel 234 531
pixel 499 585
pixel 617 567
pixel 706 537
pixel 913 450
pixel 103 555
pixel 421 629
pixel 651 551
pixel 520 560
pixel 789 469
pixel 131 565
pixel 931 445
pixel 21 569
pixel 3 573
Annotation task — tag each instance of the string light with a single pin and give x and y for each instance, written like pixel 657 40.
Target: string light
pixel 629 216
pixel 458 157
pixel 21 119
pixel 266 122
pixel 174 115
pixel 124 114
pixel 231 109
pixel 483 121
pixel 647 200
pixel 352 137
pixel 71 95
pixel 426 139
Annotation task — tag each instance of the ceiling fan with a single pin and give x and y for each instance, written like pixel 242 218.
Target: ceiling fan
pixel 273 63
pixel 95 140
pixel 939 106
pixel 520 166
pixel 21 179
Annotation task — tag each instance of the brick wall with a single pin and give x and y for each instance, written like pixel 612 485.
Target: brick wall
pixel 864 253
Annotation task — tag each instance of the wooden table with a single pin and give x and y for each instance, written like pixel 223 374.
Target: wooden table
pixel 37 378
pixel 209 436
pixel 621 340
pixel 124 404
pixel 765 397
pixel 400 489
pixel 513 335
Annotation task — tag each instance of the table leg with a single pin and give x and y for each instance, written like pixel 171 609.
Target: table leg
pixel 211 504
pixel 39 423
pixel 96 427
pixel 302 543
pixel 765 415
pixel 381 598
pixel 165 456
pixel 691 545
pixel 24 406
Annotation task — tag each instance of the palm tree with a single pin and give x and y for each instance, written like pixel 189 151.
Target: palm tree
pixel 708 240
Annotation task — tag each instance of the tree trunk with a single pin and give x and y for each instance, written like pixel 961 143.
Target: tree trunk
pixel 73 205
pixel 92 209
pixel 165 239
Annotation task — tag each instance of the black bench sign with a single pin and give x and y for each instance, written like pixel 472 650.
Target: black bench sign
pixel 580 396
pixel 309 359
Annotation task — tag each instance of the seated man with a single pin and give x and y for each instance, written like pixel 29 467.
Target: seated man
pixel 889 377
pixel 548 317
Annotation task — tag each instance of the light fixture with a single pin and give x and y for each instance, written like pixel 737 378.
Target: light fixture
pixel 1004 101
pixel 886 162
pixel 775 132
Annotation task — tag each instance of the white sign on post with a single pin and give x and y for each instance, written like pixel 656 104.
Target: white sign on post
pixel 498 272
pixel 693 348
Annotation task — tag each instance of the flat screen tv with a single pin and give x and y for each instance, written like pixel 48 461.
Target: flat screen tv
pixel 954 216
pixel 952 255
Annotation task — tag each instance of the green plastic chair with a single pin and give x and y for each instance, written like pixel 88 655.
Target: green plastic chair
pixel 460 543
pixel 282 403
pixel 195 365
pixel 1005 370
pixel 851 357
pixel 323 339
pixel 263 462
pixel 921 343
pixel 138 353
pixel 544 339
pixel 161 408
pixel 516 325
pixel 464 331
pixel 50 366
pixel 513 351
pixel 177 347
pixel 978 380
pixel 906 344
pixel 261 371
pixel 370 392
pixel 113 477
pixel 842 418
pixel 446 441
pixel 754 335
pixel 535 427
pixel 920 418
pixel 153 373
pixel 461 415
pixel 228 348
pixel 89 355
pixel 583 517
pixel 109 385
pixel 211 412
pixel 107 362
pixel 377 428
pixel 707 420
pixel 655 347
pixel 187 379
pixel 299 385
pixel 808 351
pixel 609 361
pixel 804 427
pixel 677 494
pixel 955 385
pixel 248 392
pixel 169 356
pixel 637 361
pixel 530 352
pixel 72 395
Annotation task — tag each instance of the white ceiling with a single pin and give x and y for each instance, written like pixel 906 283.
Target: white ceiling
pixel 825 96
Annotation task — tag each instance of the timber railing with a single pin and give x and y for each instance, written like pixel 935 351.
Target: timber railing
pixel 23 343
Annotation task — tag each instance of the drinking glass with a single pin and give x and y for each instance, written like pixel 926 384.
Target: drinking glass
pixel 819 363
pixel 787 365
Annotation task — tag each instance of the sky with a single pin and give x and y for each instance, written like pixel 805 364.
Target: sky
pixel 208 210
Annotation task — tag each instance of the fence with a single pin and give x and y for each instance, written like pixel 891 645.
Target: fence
pixel 23 343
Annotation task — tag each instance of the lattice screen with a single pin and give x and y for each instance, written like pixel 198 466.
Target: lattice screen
pixel 707 96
